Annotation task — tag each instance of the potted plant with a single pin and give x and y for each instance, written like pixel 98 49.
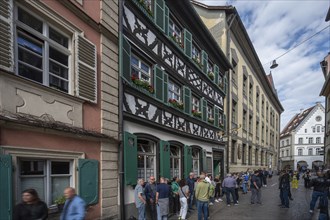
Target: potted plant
pixel 176 104
pixel 210 120
pixel 196 113
pixel 143 84
pixel 210 74
pixel 59 201
pixel 197 61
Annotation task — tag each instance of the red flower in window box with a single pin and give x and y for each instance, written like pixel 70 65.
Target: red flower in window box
pixel 196 113
pixel 175 103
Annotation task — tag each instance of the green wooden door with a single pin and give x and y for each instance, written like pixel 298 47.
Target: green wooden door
pixel 6 185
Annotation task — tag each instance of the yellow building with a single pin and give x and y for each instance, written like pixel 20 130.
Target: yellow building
pixel 252 106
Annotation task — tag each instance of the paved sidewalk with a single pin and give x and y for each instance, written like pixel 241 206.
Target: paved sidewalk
pixel 268 210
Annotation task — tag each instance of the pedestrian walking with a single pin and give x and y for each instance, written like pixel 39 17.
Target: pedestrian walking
pixel 294 181
pixel 184 195
pixel 245 178
pixel 264 177
pixel 140 199
pixel 307 177
pixel 321 187
pixel 162 199
pixel 150 192
pixel 202 196
pixel 284 186
pixel 31 207
pixel 256 183
pixel 74 207
pixel 191 184
pixel 229 184
pixel 175 196
pixel 217 190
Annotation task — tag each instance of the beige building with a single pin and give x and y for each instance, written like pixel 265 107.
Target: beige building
pixel 325 65
pixel 252 106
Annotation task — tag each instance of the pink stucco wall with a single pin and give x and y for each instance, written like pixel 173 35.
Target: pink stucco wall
pixel 33 139
pixel 91 112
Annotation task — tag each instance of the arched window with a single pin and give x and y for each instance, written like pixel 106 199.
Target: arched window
pixel 310 151
pixel 146 158
pixel 175 161
pixel 196 156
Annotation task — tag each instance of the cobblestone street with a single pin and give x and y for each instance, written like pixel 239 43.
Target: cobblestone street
pixel 269 209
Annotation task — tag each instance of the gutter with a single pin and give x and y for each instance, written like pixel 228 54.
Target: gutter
pixel 121 121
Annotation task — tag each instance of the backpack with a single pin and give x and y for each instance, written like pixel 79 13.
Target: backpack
pixel 246 178
pixel 211 190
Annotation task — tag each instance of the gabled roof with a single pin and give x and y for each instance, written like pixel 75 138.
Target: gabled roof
pixel 271 82
pixel 296 121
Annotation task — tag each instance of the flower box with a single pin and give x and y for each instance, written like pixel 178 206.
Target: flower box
pixel 176 104
pixel 146 6
pixel 210 75
pixel 196 113
pixel 210 120
pixel 177 40
pixel 143 84
pixel 198 62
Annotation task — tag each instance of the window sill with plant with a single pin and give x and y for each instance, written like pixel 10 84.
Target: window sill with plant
pixel 142 84
pixel 176 104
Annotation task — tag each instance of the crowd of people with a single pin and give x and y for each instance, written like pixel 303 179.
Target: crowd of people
pixel 178 197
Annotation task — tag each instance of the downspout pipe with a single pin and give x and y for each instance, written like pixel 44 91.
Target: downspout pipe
pixel 121 121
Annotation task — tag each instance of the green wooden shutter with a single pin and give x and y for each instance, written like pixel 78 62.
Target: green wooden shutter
pixel 89 180
pixel 125 61
pixel 204 61
pixel 159 83
pixel 130 158
pixel 216 116
pixel 187 100
pixel 204 109
pixel 204 160
pixel 165 88
pixel 167 20
pixel 160 13
pixel 216 74
pixel 187 160
pixel 6 187
pixel 187 43
pixel 164 149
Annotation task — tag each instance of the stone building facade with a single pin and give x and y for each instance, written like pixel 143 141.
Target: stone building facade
pixel 252 105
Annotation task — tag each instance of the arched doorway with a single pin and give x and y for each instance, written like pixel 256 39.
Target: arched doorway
pixel 302 166
pixel 317 164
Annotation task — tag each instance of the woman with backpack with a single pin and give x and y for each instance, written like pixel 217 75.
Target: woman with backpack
pixel 184 195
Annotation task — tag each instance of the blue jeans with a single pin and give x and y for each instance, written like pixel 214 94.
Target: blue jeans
pixel 142 212
pixel 191 199
pixel 284 195
pixel 244 187
pixel 202 207
pixel 315 196
pixel 230 190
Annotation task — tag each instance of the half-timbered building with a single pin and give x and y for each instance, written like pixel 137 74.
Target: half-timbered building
pixel 173 78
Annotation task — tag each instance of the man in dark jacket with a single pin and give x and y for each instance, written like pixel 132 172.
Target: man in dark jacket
pixel 321 187
pixel 150 192
pixel 284 186
pixel 191 184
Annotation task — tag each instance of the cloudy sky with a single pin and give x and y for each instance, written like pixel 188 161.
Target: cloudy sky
pixel 277 26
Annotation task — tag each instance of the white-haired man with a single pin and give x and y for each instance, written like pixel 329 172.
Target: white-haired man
pixel 140 199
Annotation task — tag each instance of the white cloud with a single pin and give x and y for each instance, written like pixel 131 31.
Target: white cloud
pixel 274 28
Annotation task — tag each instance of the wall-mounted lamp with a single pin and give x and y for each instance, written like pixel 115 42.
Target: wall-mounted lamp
pixel 274 65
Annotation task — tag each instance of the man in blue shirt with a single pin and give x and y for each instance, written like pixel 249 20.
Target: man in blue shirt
pixel 74 207
pixel 162 199
pixel 191 184
pixel 150 191
pixel 140 199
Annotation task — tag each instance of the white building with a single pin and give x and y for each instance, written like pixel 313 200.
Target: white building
pixel 302 142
